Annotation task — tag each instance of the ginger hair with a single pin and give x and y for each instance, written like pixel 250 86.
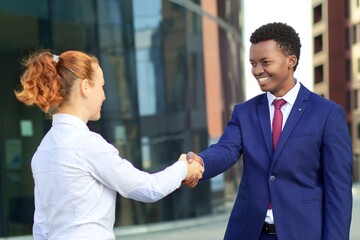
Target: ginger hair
pixel 47 82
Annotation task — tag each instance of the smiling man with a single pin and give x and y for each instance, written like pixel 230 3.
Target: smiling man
pixel 296 151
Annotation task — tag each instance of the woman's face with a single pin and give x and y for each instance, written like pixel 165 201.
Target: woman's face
pixel 97 94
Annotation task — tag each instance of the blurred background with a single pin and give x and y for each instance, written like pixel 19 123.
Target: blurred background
pixel 174 69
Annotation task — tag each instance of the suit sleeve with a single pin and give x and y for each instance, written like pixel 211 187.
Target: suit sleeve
pixel 337 172
pixel 221 156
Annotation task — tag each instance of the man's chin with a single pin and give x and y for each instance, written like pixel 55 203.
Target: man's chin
pixel 264 88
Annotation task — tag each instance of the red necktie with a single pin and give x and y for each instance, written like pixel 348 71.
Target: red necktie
pixel 277 121
pixel 277 124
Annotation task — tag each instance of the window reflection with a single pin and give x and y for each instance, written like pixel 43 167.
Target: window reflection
pixel 152 57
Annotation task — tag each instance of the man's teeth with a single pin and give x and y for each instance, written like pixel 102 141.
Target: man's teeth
pixel 263 79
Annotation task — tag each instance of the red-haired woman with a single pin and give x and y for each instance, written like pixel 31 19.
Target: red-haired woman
pixel 77 172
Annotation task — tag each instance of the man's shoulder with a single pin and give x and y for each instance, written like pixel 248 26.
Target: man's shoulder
pixel 315 97
pixel 321 104
pixel 254 100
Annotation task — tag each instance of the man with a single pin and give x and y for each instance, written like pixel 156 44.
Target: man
pixel 297 186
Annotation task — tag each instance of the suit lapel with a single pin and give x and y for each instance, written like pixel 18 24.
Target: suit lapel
pixel 297 110
pixel 264 119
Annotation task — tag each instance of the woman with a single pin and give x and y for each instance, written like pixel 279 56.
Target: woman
pixel 76 172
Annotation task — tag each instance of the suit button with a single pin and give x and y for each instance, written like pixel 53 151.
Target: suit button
pixel 272 178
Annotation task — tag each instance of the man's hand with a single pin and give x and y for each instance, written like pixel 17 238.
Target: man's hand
pixel 192 181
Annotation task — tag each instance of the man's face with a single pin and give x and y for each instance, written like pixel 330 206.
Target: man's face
pixel 272 68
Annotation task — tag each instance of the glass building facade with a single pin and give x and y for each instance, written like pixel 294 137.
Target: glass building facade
pixel 151 53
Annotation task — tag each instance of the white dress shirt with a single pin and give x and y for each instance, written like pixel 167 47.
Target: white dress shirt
pixel 290 98
pixel 77 174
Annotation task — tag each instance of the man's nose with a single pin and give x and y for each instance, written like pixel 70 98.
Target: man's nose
pixel 258 69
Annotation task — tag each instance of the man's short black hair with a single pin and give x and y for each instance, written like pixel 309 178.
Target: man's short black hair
pixel 284 35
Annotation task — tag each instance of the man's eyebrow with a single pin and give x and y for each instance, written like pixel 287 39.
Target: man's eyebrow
pixel 261 59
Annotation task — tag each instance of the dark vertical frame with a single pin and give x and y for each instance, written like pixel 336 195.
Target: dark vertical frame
pixel 2 169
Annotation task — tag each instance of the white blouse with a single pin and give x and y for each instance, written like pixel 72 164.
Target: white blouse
pixel 77 174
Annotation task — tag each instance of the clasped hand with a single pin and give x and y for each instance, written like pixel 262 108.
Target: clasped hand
pixel 195 169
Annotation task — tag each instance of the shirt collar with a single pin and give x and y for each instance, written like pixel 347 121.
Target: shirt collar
pixel 289 97
pixel 63 118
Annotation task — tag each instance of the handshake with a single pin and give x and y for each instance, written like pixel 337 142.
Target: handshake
pixel 195 169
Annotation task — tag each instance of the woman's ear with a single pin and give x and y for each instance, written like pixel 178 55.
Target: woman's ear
pixel 84 86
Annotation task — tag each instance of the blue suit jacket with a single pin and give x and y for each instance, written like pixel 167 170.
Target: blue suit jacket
pixel 308 178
